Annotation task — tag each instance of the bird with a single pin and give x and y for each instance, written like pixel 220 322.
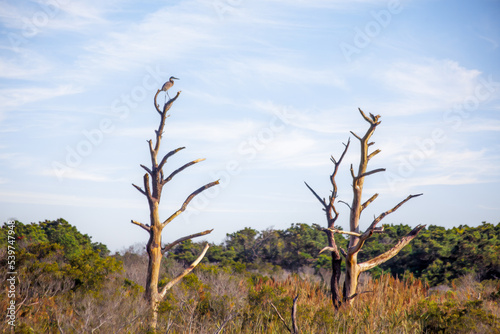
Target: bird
pixel 168 84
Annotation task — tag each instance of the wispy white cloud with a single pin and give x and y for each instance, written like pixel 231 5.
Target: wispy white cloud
pixel 78 174
pixel 289 71
pixel 442 168
pixel 162 36
pixel 43 198
pixel 27 65
pixel 30 18
pixel 224 131
pixel 427 86
pixel 17 160
pixel 481 125
pixel 15 97
pixel 329 4
pixel 494 43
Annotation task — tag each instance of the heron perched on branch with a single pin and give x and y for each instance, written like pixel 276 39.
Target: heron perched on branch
pixel 168 84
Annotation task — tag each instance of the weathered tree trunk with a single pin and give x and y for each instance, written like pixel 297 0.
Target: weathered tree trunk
pixel 351 278
pixel 331 217
pixel 153 248
pixel 335 281
pixel 357 239
pixel 152 191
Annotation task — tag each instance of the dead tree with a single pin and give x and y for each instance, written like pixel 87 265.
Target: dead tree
pixel 357 238
pixel 154 180
pixel 293 315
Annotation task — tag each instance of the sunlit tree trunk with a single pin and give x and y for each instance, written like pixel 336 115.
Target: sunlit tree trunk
pixel 357 239
pixel 154 180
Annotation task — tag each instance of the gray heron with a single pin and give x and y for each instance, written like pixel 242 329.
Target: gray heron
pixel 167 85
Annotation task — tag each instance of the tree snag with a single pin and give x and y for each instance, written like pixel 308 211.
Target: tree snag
pixel 154 180
pixel 357 238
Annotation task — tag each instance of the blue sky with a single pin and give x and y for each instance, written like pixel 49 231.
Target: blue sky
pixel 270 89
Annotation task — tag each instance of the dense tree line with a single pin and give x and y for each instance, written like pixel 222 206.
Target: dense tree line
pixel 62 279
pixel 67 283
pixel 437 254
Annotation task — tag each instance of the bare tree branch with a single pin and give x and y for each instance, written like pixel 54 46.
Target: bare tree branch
pixel 348 205
pixel 371 172
pixel 352 172
pixel 157 106
pixel 178 241
pixel 180 170
pixel 334 230
pixel 224 323
pixel 374 153
pixel 336 168
pixel 146 187
pixel 317 196
pixel 140 190
pixel 279 315
pixel 294 316
pixel 391 252
pixel 372 119
pixel 186 271
pixel 355 135
pixel 159 132
pixel 188 199
pixel 358 294
pixel 368 233
pixel 146 227
pixel 147 169
pixel 152 153
pixel 368 202
pixel 327 248
pixel 168 155
pixel 167 105
pixel 382 216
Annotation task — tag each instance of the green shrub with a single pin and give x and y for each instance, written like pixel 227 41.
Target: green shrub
pixel 452 316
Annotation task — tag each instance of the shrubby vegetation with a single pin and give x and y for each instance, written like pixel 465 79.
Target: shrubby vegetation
pixel 445 281
pixel 437 255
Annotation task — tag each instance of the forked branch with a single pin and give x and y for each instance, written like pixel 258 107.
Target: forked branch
pixel 169 103
pixel 336 168
pixel 373 120
pixel 186 271
pixel 164 116
pixel 373 229
pixel 391 252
